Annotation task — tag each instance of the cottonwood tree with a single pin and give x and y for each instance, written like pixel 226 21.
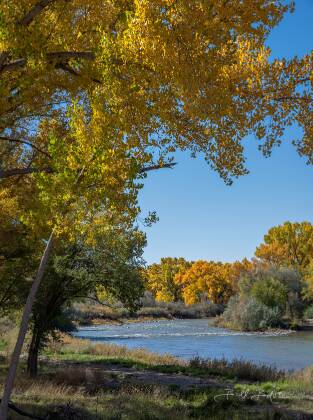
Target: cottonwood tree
pixel 289 245
pixel 211 280
pixel 206 280
pixel 160 278
pixel 110 265
pixel 93 93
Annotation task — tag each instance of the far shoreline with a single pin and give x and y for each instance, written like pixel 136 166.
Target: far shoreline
pixel 271 332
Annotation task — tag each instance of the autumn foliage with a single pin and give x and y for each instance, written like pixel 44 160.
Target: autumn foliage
pixel 287 246
pixel 194 282
pixel 290 245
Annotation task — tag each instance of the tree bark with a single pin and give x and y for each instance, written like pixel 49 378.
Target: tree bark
pixel 23 329
pixel 32 360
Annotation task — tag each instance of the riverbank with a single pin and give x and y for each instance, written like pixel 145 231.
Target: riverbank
pixel 93 314
pixel 81 380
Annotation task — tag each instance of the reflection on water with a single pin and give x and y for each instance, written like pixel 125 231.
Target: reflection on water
pixel 195 337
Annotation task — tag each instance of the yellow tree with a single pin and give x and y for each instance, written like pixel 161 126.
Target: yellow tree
pixel 164 74
pixel 207 280
pixel 161 278
pixel 290 245
pixel 239 268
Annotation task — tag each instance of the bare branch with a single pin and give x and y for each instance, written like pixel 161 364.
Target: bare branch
pixel 33 146
pixel 95 299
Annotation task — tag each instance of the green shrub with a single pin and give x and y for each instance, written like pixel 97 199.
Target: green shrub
pixel 270 292
pixel 247 314
pixel 308 312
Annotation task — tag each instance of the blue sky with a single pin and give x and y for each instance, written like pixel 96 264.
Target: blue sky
pixel 201 217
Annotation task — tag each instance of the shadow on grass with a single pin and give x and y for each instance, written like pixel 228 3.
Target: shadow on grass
pixel 138 405
pixel 236 369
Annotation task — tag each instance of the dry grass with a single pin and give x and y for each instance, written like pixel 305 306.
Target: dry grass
pixel 304 375
pixel 301 381
pixel 71 345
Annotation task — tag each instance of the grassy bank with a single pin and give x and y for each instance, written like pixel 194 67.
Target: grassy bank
pixel 79 380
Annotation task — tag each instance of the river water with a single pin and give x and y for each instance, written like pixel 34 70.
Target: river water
pixel 196 337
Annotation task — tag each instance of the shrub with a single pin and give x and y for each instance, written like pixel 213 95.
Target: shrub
pixel 154 312
pixel 247 314
pixel 308 312
pixel 270 292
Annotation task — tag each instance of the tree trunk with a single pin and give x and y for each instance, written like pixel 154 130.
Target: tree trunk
pixel 32 360
pixel 23 329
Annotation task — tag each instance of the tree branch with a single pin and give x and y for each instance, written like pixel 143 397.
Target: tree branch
pixel 155 167
pixel 3 57
pixel 67 68
pixel 35 11
pixel 24 171
pixel 95 299
pixel 27 143
pixel 68 55
pixel 59 56
pixel 48 170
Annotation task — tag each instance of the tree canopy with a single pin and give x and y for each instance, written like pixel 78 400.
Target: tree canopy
pixel 154 75
pixel 161 279
pixel 289 244
pixel 206 281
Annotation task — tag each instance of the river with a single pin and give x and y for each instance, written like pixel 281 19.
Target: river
pixel 196 337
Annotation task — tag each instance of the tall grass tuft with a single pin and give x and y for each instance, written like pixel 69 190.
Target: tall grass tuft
pixel 237 368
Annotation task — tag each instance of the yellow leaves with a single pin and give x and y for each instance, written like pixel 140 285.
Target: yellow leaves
pixel 8 204
pixel 207 280
pixel 142 78
pixel 161 278
pixel 289 245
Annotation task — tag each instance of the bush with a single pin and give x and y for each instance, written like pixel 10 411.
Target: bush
pixel 308 312
pixel 282 287
pixel 247 314
pixel 154 312
pixel 270 292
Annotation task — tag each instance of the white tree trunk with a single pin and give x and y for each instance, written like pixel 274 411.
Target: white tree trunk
pixel 23 329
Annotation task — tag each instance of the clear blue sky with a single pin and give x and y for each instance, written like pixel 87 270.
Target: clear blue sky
pixel 202 218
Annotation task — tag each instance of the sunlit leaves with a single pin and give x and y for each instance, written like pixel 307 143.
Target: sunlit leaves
pixel 289 245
